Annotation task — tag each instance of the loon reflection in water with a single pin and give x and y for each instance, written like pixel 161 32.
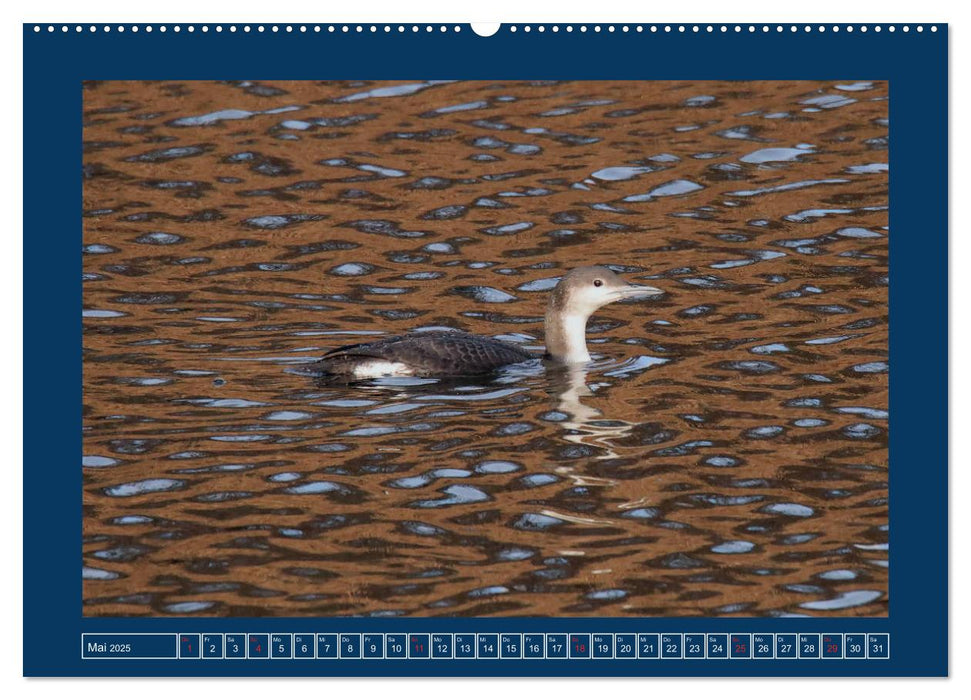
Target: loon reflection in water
pixel 455 354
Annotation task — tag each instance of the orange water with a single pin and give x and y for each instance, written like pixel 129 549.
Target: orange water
pixel 726 454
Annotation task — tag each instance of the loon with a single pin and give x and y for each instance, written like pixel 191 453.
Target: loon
pixel 455 354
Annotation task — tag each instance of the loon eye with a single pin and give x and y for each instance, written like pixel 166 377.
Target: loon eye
pixel 598 283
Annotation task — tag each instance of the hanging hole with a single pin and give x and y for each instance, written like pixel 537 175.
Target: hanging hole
pixel 485 28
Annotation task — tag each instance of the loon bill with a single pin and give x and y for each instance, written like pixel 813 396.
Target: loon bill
pixel 454 354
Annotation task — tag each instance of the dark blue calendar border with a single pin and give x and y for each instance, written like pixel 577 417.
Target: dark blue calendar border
pixel 914 63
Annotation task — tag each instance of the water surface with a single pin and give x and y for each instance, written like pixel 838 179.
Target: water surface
pixel 726 453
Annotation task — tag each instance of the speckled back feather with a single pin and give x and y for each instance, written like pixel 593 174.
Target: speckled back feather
pixel 435 353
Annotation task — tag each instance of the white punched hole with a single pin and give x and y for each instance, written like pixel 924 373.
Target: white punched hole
pixel 485 28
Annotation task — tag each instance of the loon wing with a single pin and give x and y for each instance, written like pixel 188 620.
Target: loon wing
pixel 429 354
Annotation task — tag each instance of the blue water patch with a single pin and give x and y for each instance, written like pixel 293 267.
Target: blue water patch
pixel 329 447
pixel 775 155
pixel 188 454
pixel 707 282
pixel 227 115
pixel 787 187
pixel 868 168
pixel 144 381
pixel 804 402
pixel 829 101
pixel 456 494
pixel 159 238
pixel 680 560
pixel 857 232
pixel 464 107
pixel 544 284
pixel 752 366
pixel 138 488
pixel 373 431
pixel 288 415
pixel 223 496
pixel 524 149
pixel 241 438
pixel 422 529
pixel 314 487
pixel 277 221
pixel 861 431
pixel 793 510
pixel 284 477
pixel 668 189
pixel 837 575
pixel 635 364
pixel 872 367
pixel 98 461
pixel 866 412
pixel 235 467
pixel 535 480
pixel 487 591
pixel 830 340
pixel 420 480
pixel 641 513
pixel 717 499
pixel 381 170
pixel 441 247
pixel 608 594
pixel 121 553
pixel 391 91
pixel 770 349
pixel 446 213
pixel 722 461
pixel 352 269
pixel 189 607
pixel 411 482
pixel 810 423
pixel 101 313
pixel 515 554
pixel 393 409
pixel 854 87
pixel 167 154
pixel 849 599
pixel 733 547
pixel 700 310
pixel 757 256
pixel 619 173
pixel 685 448
pixel 742 132
pixel 226 403
pixel 508 229
pixel 488 295
pixel 765 432
pixel 497 467
pixel 536 521
pixel 90 573
pixel 514 429
pixel 800 538
pixel 810 214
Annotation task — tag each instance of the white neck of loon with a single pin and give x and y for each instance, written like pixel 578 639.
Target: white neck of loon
pixel 573 301
pixel 566 336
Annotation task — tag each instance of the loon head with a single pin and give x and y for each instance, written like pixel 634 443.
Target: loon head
pixel 578 294
pixel 583 290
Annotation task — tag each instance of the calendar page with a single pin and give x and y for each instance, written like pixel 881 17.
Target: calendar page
pixel 406 350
